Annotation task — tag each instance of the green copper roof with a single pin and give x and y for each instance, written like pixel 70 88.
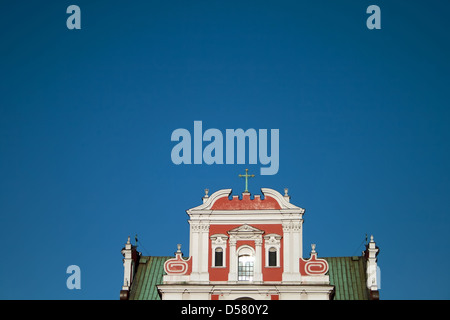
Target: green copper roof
pixel 149 274
pixel 347 274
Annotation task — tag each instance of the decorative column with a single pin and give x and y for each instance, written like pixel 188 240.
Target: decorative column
pixel 232 275
pixel 204 252
pixel 193 247
pixel 287 250
pixel 292 242
pixel 297 248
pixel 258 260
pixel 199 251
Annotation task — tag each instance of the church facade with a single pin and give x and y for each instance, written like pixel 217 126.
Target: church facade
pixel 244 247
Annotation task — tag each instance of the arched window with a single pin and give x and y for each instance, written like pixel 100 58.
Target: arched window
pixel 272 246
pixel 218 257
pixel 219 250
pixel 246 261
pixel 272 257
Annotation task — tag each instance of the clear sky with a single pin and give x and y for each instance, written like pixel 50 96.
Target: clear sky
pixel 86 118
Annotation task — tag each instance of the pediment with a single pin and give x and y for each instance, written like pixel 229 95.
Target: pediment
pixel 245 229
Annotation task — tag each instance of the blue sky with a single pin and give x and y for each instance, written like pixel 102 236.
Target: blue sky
pixel 86 118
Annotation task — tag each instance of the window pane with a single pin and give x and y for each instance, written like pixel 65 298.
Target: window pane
pixel 272 258
pixel 245 268
pixel 218 258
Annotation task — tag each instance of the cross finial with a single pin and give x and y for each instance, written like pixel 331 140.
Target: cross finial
pixel 246 176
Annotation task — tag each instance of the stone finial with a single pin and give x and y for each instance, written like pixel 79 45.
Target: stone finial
pixel 129 259
pixel 179 248
pixel 371 269
pixel 313 248
pixel 128 245
pixel 287 197
pixel 206 196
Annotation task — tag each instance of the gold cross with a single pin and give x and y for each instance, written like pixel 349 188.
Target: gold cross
pixel 246 176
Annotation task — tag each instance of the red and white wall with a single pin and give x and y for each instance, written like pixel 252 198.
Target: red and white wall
pixel 249 226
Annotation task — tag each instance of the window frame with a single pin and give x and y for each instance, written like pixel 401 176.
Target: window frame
pixel 272 241
pixel 272 260
pixel 219 241
pixel 246 251
pixel 216 251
